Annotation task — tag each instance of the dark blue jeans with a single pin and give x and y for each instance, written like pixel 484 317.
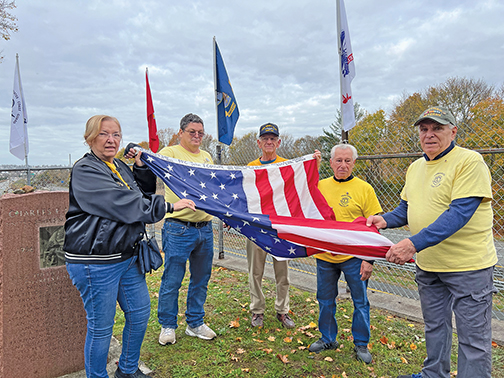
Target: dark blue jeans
pixel 328 275
pixel 100 287
pixel 182 243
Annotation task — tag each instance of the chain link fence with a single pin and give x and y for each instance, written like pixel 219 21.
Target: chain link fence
pixel 384 159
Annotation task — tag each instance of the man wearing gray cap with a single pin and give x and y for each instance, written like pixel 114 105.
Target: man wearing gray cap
pixel 446 201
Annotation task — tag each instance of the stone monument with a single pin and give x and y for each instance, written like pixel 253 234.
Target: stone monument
pixel 42 319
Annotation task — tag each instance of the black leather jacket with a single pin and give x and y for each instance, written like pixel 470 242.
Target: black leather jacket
pixel 105 219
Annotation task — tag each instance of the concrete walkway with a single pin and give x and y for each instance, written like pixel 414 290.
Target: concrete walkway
pixel 403 307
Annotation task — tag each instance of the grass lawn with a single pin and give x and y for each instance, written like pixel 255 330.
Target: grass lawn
pixel 397 345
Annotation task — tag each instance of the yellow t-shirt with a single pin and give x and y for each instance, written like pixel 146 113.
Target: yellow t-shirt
pixel 349 200
pixel 430 188
pixel 258 161
pixel 179 152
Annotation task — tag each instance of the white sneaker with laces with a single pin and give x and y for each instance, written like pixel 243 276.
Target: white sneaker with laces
pixel 203 332
pixel 167 336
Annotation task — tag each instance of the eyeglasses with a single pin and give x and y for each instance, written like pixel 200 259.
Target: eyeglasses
pixel 104 135
pixel 201 134
pixel 265 139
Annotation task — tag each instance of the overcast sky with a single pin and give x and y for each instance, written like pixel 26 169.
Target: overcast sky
pixel 80 58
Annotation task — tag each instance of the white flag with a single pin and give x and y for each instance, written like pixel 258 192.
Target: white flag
pixel 347 68
pixel 19 119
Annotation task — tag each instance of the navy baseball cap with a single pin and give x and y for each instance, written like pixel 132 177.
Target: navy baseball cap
pixel 269 128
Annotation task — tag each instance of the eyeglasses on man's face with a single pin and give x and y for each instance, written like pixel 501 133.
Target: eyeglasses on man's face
pixel 267 139
pixel 106 136
pixel 200 134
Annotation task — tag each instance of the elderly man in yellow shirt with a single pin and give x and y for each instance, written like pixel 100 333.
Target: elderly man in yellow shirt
pixel 350 198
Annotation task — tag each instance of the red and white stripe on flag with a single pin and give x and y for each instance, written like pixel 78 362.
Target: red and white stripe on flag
pixel 348 238
pixel 287 190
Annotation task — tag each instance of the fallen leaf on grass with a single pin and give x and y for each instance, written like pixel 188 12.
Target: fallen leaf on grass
pixel 267 350
pixel 288 339
pixel 239 339
pixel 271 338
pixel 372 327
pixel 234 323
pixel 282 358
pixel 299 341
pixel 240 351
pixel 235 359
pixel 404 360
pixel 258 340
pixel 413 346
pixel 384 340
pixel 328 359
pixel 302 348
pixel 494 344
pixel 245 370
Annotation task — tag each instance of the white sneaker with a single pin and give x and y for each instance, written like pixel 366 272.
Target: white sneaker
pixel 167 336
pixel 203 332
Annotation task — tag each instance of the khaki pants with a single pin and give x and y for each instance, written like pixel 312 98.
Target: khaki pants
pixel 256 259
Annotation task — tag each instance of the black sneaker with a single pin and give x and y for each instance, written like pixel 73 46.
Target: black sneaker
pixel 136 374
pixel 318 346
pixel 363 354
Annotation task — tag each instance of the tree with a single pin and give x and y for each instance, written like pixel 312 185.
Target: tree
pixel 332 136
pixel 459 95
pixel 243 150
pixel 167 137
pixel 7 20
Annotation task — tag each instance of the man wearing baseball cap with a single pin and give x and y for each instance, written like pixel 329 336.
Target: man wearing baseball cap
pixel 446 201
pixel 268 142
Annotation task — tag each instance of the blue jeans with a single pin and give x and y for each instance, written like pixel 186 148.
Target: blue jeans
pixel 182 243
pixel 100 287
pixel 328 275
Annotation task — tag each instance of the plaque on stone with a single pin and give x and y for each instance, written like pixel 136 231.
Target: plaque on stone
pixel 42 319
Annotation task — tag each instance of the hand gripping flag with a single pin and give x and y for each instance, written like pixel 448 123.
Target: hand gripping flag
pixel 227 108
pixel 151 118
pixel 277 206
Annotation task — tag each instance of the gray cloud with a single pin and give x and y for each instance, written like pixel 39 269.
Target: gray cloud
pixel 80 58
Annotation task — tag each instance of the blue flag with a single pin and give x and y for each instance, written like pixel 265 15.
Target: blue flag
pixel 227 108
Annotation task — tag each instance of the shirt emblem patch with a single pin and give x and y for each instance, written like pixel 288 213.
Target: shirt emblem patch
pixel 437 180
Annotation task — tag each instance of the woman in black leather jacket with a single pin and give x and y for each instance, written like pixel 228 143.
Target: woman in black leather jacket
pixel 109 206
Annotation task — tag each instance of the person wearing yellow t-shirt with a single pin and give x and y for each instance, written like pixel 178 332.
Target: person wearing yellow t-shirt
pixel 446 201
pixel 268 142
pixel 350 198
pixel 187 235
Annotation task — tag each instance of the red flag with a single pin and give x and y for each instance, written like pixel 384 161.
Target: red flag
pixel 151 118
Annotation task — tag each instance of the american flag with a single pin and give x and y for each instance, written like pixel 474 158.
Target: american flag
pixel 277 206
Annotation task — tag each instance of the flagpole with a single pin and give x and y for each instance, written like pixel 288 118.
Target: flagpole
pixel 25 131
pixel 344 134
pixel 218 147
